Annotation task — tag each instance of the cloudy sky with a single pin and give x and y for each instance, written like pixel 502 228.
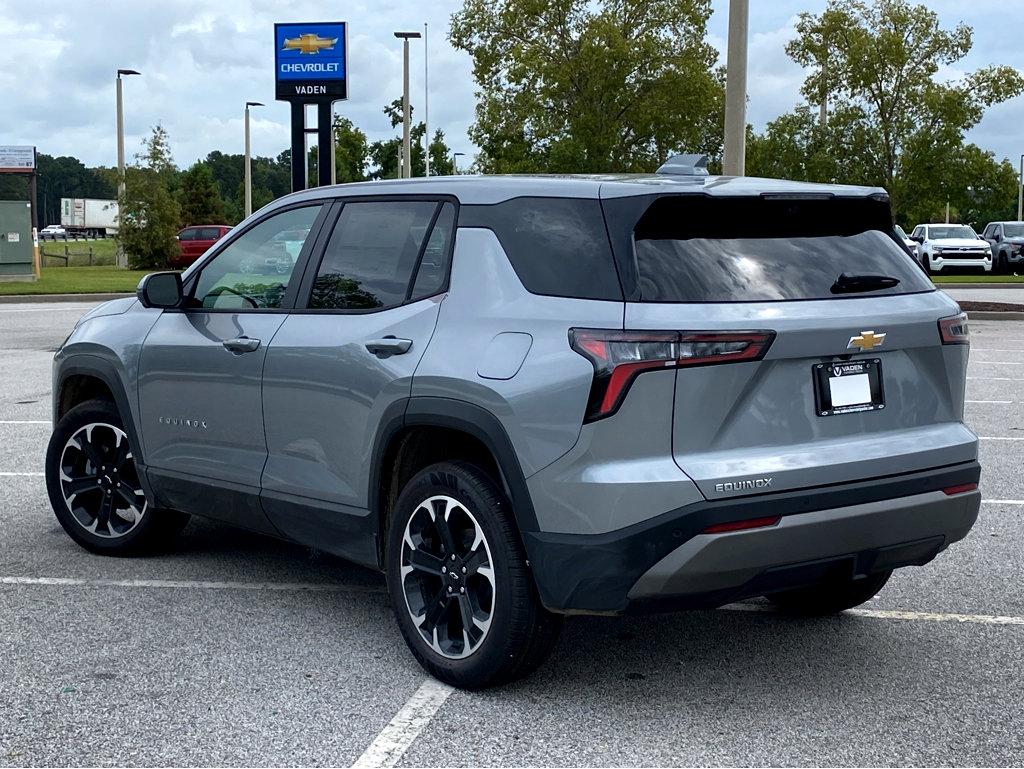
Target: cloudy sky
pixel 202 59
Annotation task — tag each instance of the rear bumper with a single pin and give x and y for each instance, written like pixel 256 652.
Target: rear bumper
pixel 665 563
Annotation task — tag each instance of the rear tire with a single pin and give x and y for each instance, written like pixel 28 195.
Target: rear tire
pixel 831 597
pixel 926 263
pixel 94 486
pixel 462 591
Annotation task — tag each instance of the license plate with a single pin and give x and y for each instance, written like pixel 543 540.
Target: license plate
pixel 848 387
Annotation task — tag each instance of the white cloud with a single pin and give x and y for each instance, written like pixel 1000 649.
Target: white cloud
pixel 201 60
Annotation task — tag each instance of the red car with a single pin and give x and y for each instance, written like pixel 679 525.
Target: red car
pixel 193 242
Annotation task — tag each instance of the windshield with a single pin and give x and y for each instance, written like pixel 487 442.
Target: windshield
pixel 948 232
pixel 1013 230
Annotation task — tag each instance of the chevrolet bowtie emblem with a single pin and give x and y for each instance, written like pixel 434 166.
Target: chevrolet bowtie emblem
pixel 868 340
pixel 309 43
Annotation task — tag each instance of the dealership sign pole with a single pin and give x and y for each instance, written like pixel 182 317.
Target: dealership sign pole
pixel 311 67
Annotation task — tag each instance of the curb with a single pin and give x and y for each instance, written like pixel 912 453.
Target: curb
pixel 42 298
pixel 991 315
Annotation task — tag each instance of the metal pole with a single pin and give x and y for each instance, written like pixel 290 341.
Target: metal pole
pixel 406 122
pixel 947 212
pixel 733 160
pixel 122 260
pixel 248 166
pixel 426 103
pixel 1020 193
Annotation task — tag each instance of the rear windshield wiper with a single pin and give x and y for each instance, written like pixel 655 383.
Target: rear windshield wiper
pixel 855 284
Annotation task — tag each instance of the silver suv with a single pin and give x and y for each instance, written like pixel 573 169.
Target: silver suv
pixel 525 397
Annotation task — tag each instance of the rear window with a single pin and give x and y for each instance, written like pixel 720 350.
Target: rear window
pixel 758 250
pixel 557 246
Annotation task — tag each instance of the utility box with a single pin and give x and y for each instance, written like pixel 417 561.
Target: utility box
pixel 16 240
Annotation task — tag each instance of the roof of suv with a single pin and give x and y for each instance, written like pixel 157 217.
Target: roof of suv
pixel 486 189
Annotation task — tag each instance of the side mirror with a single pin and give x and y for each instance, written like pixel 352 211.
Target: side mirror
pixel 917 238
pixel 160 289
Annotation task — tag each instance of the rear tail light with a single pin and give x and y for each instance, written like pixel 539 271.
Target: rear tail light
pixel 619 357
pixel 953 330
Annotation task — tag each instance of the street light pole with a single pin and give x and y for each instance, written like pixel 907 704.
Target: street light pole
pixel 248 159
pixel 733 160
pixel 406 118
pixel 122 260
pixel 426 104
pixel 1020 193
pixel 455 155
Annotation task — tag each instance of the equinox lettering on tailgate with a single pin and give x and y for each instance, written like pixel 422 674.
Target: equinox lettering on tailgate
pixel 752 483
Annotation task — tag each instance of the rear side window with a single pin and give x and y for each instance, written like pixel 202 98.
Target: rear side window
pixel 557 246
pixel 757 250
pixel 374 252
pixel 189 234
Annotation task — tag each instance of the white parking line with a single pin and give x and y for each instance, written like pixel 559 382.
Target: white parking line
pixel 307 587
pixel 1002 501
pixel 999 402
pixel 992 349
pixel 997 438
pixel 996 378
pixel 24 421
pixel 15 475
pixel 390 745
pixel 999 362
pixel 919 616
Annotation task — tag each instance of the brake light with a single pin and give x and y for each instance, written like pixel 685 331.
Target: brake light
pixel 750 523
pixel 619 357
pixel 953 330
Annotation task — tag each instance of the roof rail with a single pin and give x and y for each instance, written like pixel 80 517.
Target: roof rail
pixel 685 165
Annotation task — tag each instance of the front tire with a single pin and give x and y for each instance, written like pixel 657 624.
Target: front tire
pixel 459 582
pixel 94 485
pixel 831 597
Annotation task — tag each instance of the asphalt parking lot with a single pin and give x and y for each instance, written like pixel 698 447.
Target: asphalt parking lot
pixel 234 649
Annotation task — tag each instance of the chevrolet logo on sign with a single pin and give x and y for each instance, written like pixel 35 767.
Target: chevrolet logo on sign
pixel 868 340
pixel 309 43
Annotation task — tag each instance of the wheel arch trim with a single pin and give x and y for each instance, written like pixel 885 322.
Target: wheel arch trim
pixel 478 422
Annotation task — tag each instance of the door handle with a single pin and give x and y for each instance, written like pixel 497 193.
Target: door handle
pixel 388 346
pixel 241 345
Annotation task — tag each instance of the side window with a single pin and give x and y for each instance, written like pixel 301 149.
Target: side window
pixel 253 271
pixel 372 254
pixel 997 230
pixel 433 269
pixel 188 234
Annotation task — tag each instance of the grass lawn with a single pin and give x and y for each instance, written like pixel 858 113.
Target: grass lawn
pixel 978 278
pixel 78 280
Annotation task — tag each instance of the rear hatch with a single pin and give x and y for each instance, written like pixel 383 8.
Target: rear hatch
pixel 848 373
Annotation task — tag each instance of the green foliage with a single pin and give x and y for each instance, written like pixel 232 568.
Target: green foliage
pixel 199 197
pixel 350 151
pixel 383 154
pixel 576 85
pixel 890 122
pixel 149 209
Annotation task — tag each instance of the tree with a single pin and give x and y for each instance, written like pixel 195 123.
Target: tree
pixel 383 154
pixel 579 85
pixel 149 210
pixel 876 62
pixel 199 197
pixel 350 151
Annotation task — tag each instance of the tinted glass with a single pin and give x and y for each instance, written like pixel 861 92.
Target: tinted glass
pixel 188 234
pixel 1013 230
pixel 253 271
pixel 208 233
pixel 369 261
pixel 942 233
pixel 768 253
pixel 557 246
pixel 433 269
